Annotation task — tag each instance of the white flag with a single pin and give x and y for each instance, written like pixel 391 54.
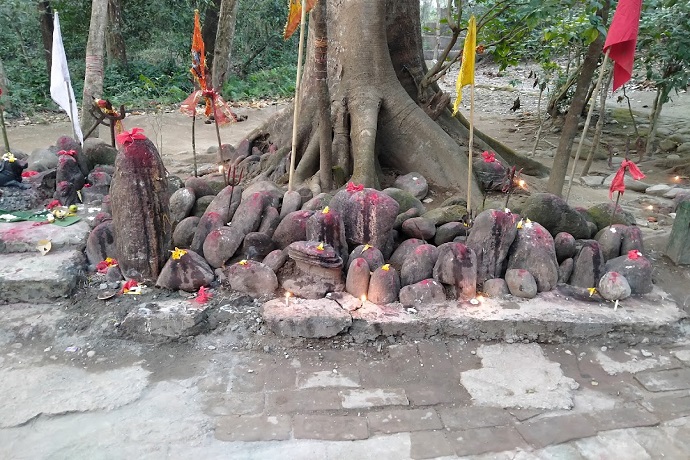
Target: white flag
pixel 60 84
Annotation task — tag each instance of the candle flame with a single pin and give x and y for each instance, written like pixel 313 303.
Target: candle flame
pixel 522 184
pixel 363 298
pixel 221 169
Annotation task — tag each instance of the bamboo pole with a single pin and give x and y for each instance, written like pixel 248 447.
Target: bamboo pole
pixel 602 70
pixel 469 157
pixel 298 81
pixel 71 110
pixel 4 129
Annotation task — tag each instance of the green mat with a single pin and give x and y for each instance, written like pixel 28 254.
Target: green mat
pixel 36 216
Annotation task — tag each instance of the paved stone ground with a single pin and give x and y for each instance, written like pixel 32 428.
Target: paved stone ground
pixel 429 399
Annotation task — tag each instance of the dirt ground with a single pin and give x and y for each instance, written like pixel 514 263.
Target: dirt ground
pixel 495 93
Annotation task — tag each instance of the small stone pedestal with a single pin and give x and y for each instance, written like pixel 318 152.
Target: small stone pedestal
pixel 678 249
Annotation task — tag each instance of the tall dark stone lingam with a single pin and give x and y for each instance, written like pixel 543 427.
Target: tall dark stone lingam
pixel 140 199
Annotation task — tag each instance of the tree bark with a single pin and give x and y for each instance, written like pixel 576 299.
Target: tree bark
pixel 223 46
pixel 209 29
pixel 46 19
pixel 381 115
pixel 93 75
pixel 572 119
pixel 114 41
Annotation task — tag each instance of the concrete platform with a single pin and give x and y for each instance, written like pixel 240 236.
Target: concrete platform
pixel 548 318
pixel 24 236
pixel 31 277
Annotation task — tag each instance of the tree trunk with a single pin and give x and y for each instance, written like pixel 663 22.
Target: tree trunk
pixel 572 119
pixel 600 125
pixel 223 45
pixel 380 116
pixel 114 41
pixel 46 20
pixel 4 81
pixel 661 95
pixel 93 75
pixel 209 29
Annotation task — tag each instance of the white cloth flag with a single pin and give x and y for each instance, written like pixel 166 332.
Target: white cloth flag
pixel 60 84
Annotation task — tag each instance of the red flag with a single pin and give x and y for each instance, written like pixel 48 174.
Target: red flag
pixel 198 54
pixel 295 16
pixel 618 182
pixel 622 38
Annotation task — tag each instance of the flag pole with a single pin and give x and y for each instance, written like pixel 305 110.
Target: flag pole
pixel 595 93
pixel 469 166
pixel 71 110
pixel 298 78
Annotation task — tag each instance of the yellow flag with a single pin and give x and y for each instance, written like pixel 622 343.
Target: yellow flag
pixel 466 75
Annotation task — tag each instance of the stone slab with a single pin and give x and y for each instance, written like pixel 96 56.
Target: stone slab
pixel 665 380
pixel 482 440
pixel 24 236
pixel 374 397
pixel 615 419
pixel 678 249
pixel 555 430
pixel 429 444
pixel 328 378
pixel 305 318
pixel 303 401
pixel 62 389
pixel 253 428
pixel 465 418
pixel 168 319
pixel 548 317
pixel 519 376
pixel 331 428
pixel 401 420
pixel 33 278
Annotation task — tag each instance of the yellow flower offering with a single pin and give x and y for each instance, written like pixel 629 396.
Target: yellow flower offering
pixel 326 210
pixel 243 262
pixel 177 253
pixel 386 267
pixel 320 246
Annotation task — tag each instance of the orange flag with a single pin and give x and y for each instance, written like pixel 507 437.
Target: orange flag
pixel 198 54
pixel 295 15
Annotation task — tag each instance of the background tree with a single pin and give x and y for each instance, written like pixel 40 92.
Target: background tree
pixel 223 42
pixel 93 75
pixel 116 50
pixel 45 14
pixel 665 53
pixel 577 104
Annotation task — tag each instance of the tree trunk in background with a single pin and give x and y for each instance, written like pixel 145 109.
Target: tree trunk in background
pixel 114 41
pixel 223 48
pixel 572 119
pixel 380 119
pixel 4 82
pixel 46 20
pixel 209 29
pixel 93 75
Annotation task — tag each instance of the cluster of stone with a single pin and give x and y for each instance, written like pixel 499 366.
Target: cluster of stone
pixel 384 245
pixel 67 172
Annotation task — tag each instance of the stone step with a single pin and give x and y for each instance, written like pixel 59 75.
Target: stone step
pixel 24 236
pixel 549 317
pixel 33 278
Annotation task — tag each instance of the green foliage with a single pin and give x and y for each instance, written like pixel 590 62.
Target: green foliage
pixel 664 44
pixel 278 82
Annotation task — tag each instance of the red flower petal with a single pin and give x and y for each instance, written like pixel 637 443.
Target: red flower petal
pixel 128 137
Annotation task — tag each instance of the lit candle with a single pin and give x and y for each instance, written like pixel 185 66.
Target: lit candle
pixel 287 299
pixel 362 300
pixel 650 207
pixel 615 305
pixel 474 301
pixel 522 184
pixel 220 169
pixel 676 179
